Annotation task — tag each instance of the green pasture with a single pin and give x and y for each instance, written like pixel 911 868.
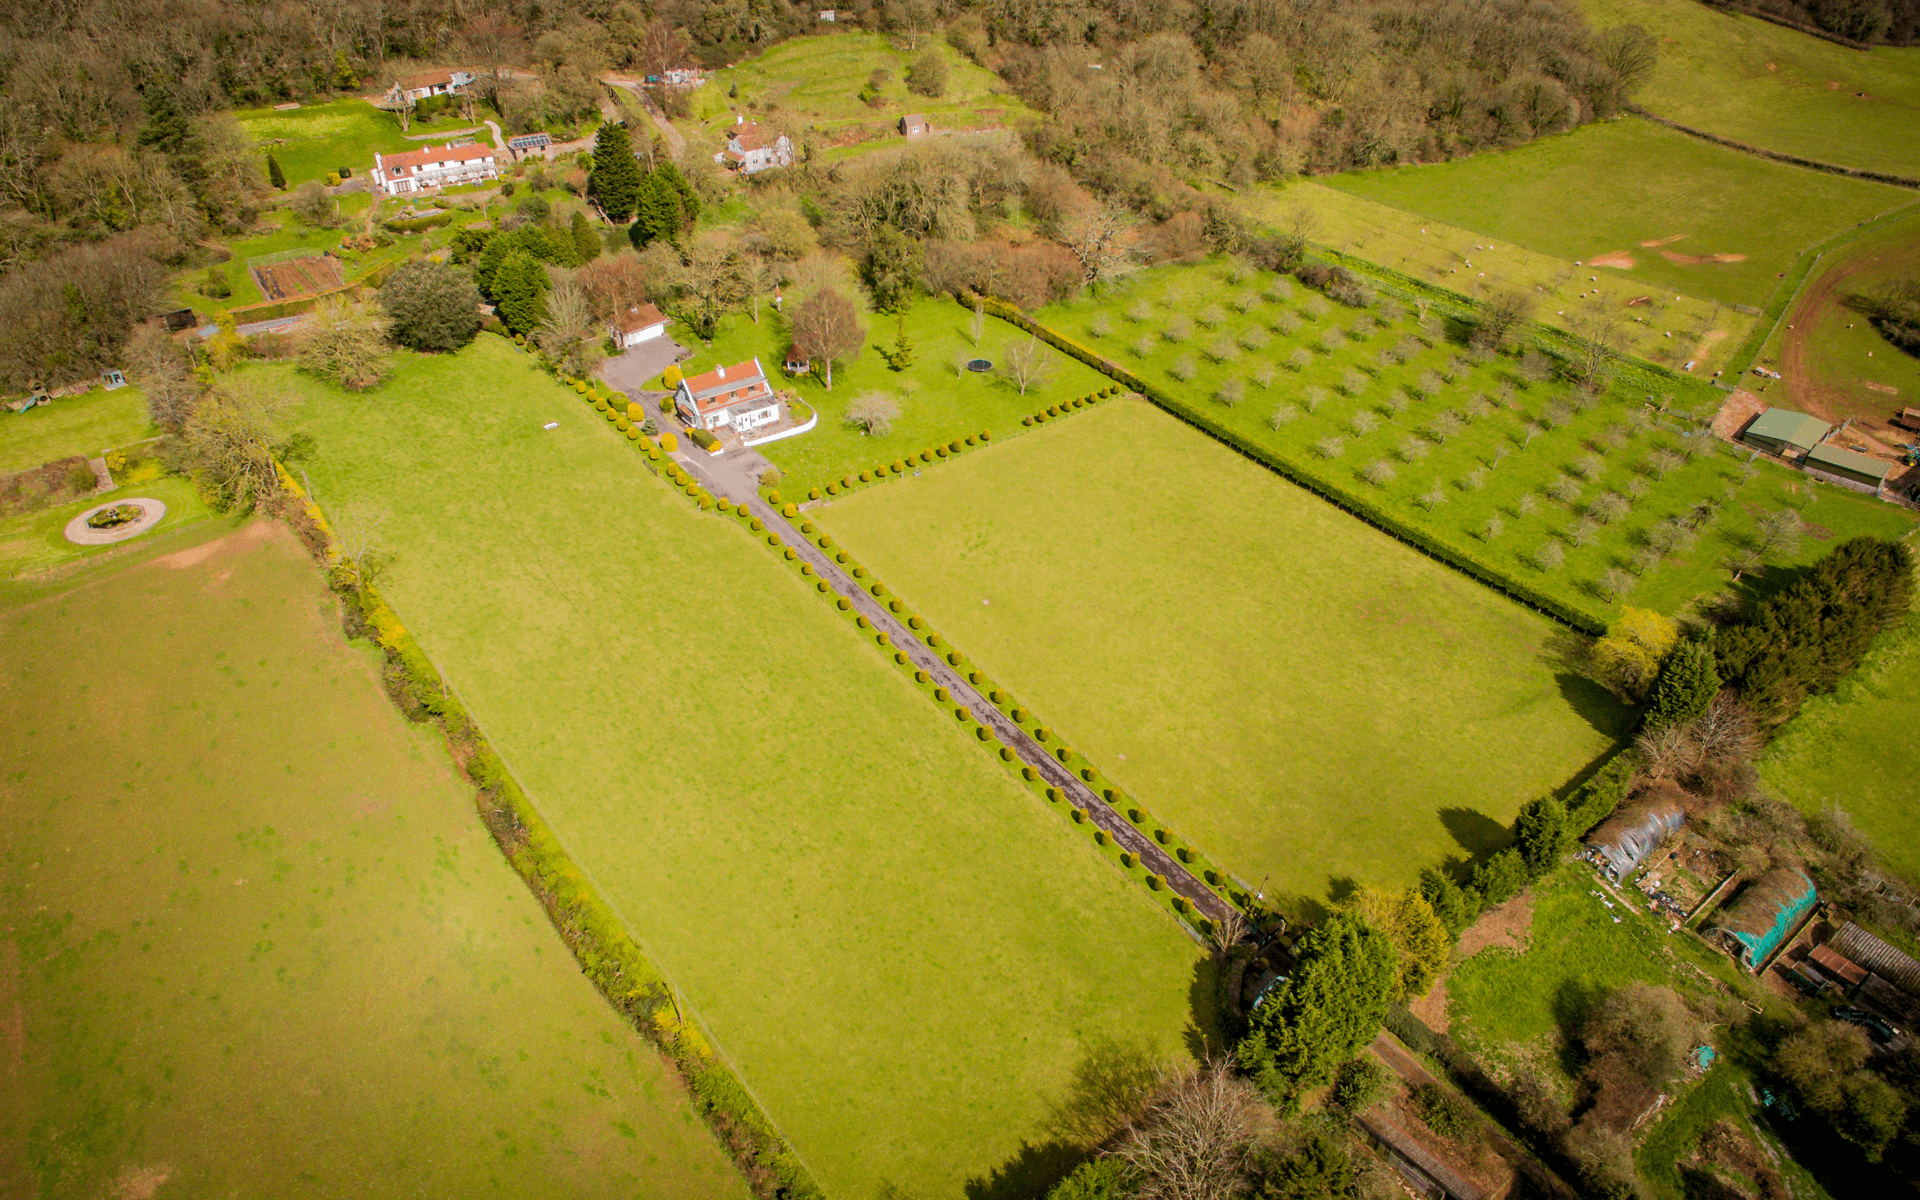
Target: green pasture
pixel 1855 749
pixel 32 544
pixel 90 424
pixel 1307 701
pixel 1602 439
pixel 809 88
pixel 315 140
pixel 1833 361
pixel 900 950
pixel 1758 83
pixel 1607 188
pixel 257 941
pixel 1667 330
pixel 938 399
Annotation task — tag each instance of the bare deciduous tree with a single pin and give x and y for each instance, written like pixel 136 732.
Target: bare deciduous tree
pixel 1028 364
pixel 827 327
pixel 874 413
pixel 1102 240
pixel 1195 1140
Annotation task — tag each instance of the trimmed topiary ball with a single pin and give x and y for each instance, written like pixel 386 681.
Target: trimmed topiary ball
pixel 940 694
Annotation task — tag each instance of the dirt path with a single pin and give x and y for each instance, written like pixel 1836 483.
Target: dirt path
pixel 676 144
pixel 1822 300
pixel 721 481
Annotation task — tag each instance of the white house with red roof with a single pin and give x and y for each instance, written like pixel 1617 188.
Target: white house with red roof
pixel 434 166
pixel 640 323
pixel 752 148
pixel 737 397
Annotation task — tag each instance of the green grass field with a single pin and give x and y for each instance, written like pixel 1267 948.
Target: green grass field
pixel 1423 462
pixel 1608 188
pixel 810 88
pixel 90 424
pixel 312 141
pixel 1440 254
pixel 1303 698
pixel 900 950
pixel 938 402
pixel 257 941
pixel 1833 362
pixel 1855 749
pixel 1755 82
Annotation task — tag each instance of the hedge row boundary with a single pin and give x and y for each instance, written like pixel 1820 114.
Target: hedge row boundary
pixel 1792 160
pixel 599 940
pixel 1352 502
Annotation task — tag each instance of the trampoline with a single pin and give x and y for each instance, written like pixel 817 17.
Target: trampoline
pixel 980 366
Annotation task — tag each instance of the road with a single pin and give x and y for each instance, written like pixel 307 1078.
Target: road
pixel 726 479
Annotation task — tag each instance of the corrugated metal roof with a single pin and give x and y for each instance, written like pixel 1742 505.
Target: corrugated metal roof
pixel 1786 425
pixel 1891 964
pixel 1403 1144
pixel 1765 912
pixel 1623 841
pixel 1847 460
pixel 1836 965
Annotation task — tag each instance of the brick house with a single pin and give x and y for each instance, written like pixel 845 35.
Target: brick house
pixel 914 125
pixel 737 397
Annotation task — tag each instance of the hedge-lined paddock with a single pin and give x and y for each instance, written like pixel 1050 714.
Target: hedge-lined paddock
pixel 1292 693
pixel 680 757
pixel 1569 502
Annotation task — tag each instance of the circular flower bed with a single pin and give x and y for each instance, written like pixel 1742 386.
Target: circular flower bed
pixel 118 514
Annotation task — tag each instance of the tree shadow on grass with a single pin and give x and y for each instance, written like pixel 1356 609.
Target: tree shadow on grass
pixel 1478 834
pixel 1030 1173
pixel 1596 705
pixel 1572 1000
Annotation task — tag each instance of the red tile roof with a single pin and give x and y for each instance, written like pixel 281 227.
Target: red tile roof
pixel 407 160
pixel 724 387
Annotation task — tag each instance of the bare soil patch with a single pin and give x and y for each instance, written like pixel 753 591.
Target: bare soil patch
pixel 1432 1007
pixel 1665 241
pixel 1885 388
pixel 1617 258
pixel 1739 408
pixel 1506 926
pixel 299 277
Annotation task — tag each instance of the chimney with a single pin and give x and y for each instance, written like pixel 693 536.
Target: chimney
pixel 739 119
pixel 720 371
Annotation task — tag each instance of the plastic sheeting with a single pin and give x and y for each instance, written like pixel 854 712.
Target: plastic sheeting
pixel 1766 911
pixel 1623 841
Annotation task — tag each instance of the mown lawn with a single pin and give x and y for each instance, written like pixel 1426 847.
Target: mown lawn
pixel 1448 473
pixel 257 941
pixel 1609 187
pixel 312 141
pixel 1481 267
pixel 900 950
pixel 89 424
pixel 810 88
pixel 1855 749
pixel 1304 699
pixel 1756 82
pixel 938 401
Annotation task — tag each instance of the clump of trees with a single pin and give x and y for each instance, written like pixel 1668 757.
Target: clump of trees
pixel 1894 309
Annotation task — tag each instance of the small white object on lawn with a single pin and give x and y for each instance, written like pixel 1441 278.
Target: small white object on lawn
pixel 551 425
pixel 986 602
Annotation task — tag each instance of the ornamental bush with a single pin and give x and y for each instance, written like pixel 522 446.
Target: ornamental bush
pixel 813 493
pixel 898 467
pixel 976 678
pixel 1019 714
pixel 997 696
pixel 806 527
pixel 900 657
pixel 773 539
pixel 1053 794
pixel 706 502
pixel 833 489
pixel 1136 816
pixel 881 638
pixel 1053 410
pixel 1079 816
pixel 962 713
pixel 953 658
pixel 921 677
pixel 940 694
pixel 1129 859
pixel 806 568
pixel 1063 754
pixel 1006 752
pixel 914 622
pixel 600 405
pixel 986 435
pixel 1162 836
pixel 954 447
pixel 1100 837
pixel 934 640
pixel 1157 882
pixel 866 477
pixel 1026 420
pixel 791 554
pixel 757 525
pixel 877 590
pixel 940 450
pixel 790 509
pixel 1029 774
pixel 633 435
pixel 896 604
pixel 773 496
pixel 1184 854
pixel 970 439
pixel 1041 734
pixel 823 586
pixel 844 604
pixel 668 442
pixel 580 387
pixel 983 733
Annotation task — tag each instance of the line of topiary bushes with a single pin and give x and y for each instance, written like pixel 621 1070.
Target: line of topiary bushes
pixel 1180 848
pixel 897 469
pixel 1364 507
pixel 1068 407
pixel 600 942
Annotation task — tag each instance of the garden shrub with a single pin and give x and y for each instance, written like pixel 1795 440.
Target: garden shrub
pixel 813 493
pixel 824 586
pixel 773 539
pixel 1029 774
pixel 983 733
pixel 935 640
pixel 580 388
pixel 1136 816
pixel 997 697
pixel 898 467
pixel 926 456
pixel 1026 420
pixel 1185 855
pixel 1100 837
pixel 915 622
pixel 825 542
pixel 941 451
pixel 954 446
pixel 986 435
pixel 790 509
pixel 1053 410
pixel 962 713
pixel 668 442
pixel 773 496
pixel 970 439
pixel 807 528
pixel 1129 859
pixel 1063 754
pixel 1006 752
pixel 1086 774
pixel 633 435
pixel 1019 715
pixel 833 489
pixel 843 604
pixel 636 414
pixel 878 590
pixel 897 605
pixel 900 657
pixel 1163 837
pixel 953 658
pixel 921 677
pixel 706 502
pixel 1157 882
pixel 600 405
pixel 806 568
pixel 756 524
pixel 940 694
pixel 866 477
pixel 1079 816
pixel 976 678
pixel 842 557
pixel 1041 734
pixel 1053 794
pixel 1181 904
pixel 791 554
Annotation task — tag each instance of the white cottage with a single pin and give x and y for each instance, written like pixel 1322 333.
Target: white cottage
pixel 738 397
pixel 640 323
pixel 751 148
pixel 435 166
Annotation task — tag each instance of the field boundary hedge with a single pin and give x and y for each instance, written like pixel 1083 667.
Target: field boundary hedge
pixel 1792 160
pixel 1789 23
pixel 600 942
pixel 1352 502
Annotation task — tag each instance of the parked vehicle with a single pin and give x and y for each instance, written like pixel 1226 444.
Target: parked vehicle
pixel 1877 1029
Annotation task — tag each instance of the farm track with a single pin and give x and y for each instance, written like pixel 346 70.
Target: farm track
pixel 1032 753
